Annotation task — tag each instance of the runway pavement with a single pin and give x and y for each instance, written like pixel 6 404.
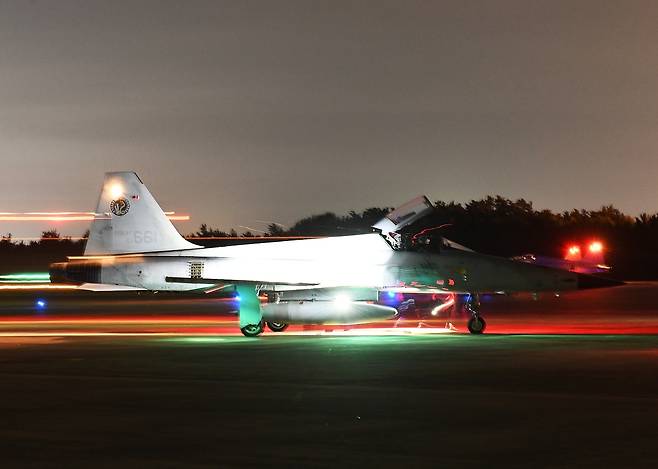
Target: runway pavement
pixel 101 381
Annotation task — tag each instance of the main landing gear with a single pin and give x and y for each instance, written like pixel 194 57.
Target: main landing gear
pixel 252 330
pixel 476 324
pixel 251 315
pixel 276 326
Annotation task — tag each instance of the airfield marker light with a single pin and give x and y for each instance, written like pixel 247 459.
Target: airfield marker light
pixel 41 303
pixel 238 298
pixel 595 247
pixel 391 294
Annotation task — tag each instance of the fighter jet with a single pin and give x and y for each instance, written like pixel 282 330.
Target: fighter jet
pixel 335 280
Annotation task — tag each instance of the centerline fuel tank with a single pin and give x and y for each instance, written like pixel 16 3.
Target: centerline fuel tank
pixel 326 312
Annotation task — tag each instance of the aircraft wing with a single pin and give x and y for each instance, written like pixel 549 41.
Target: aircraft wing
pixel 101 287
pixel 225 281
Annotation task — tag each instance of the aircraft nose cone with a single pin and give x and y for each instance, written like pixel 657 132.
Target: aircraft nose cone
pixel 586 281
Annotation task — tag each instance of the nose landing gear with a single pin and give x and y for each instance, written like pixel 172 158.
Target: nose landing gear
pixel 476 324
pixel 251 316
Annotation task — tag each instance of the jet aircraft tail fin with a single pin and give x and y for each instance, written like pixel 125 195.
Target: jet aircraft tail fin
pixel 129 220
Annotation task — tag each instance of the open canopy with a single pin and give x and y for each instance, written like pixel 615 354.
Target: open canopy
pixel 403 216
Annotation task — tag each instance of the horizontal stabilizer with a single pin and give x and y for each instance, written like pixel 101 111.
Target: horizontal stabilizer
pixel 586 281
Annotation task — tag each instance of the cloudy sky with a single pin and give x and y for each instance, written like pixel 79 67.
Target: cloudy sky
pixel 242 111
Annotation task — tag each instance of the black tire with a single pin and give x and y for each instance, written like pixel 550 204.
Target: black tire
pixel 252 330
pixel 276 326
pixel 477 325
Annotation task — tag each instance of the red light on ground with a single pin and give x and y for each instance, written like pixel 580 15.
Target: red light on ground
pixel 596 247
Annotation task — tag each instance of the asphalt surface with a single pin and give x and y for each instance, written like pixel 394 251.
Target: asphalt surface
pixel 101 381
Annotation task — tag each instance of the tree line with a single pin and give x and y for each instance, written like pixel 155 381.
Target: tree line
pixel 494 225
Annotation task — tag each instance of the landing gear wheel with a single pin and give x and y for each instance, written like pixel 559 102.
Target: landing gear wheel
pixel 476 325
pixel 252 330
pixel 276 326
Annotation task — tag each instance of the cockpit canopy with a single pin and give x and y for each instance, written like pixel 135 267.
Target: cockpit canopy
pixel 392 227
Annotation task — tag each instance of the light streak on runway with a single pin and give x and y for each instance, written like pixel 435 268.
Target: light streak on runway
pixel 60 213
pixel 42 324
pixel 39 238
pixel 70 216
pixel 49 218
pixel 625 310
pixel 25 286
pixel 50 214
pixel 90 334
pixel 42 277
pixel 301 333
pixel 190 238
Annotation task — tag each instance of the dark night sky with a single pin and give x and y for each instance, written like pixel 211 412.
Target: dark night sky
pixel 242 111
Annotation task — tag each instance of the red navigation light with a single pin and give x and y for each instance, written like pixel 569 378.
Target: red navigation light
pixel 573 253
pixel 574 250
pixel 596 247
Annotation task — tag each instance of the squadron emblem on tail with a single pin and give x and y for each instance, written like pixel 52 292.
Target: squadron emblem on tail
pixel 120 206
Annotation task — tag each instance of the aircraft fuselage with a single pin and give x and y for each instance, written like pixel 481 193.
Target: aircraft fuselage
pixel 361 261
